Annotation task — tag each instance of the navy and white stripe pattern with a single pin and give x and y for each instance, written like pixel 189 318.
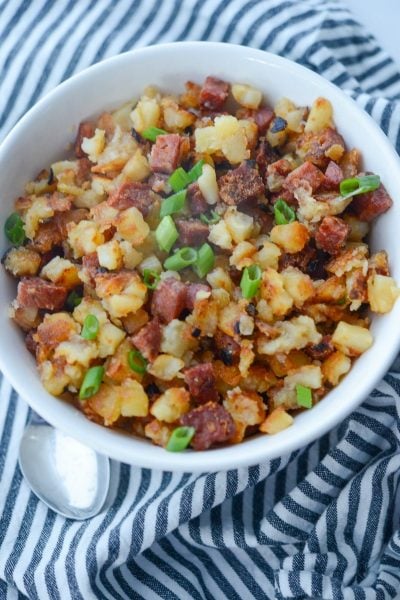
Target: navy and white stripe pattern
pixel 323 522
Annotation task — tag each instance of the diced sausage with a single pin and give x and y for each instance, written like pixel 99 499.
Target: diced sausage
pixel 60 203
pixel 265 155
pixel 192 291
pixel 159 183
pixel 227 349
pixel 31 343
pixel 47 236
pixel 91 265
pixel 279 167
pixel 84 172
pixel 192 232
pixel 197 202
pixel 307 172
pixel 85 129
pixel 213 93
pixel 148 339
pixel 165 153
pixel 169 299
pixel 262 117
pixel 321 350
pixel 201 383
pixel 264 219
pixel 333 176
pixel 139 195
pixel 62 219
pixel 309 260
pixel 213 425
pixel 241 185
pixel 332 234
pixel 369 206
pixel 36 293
pixel 316 146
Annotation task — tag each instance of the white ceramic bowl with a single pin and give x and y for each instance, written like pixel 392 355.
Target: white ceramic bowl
pixel 43 135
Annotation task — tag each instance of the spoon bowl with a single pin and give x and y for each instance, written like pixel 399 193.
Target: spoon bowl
pixel 72 479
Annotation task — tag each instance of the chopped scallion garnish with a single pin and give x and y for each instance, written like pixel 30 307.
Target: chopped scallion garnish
pixel 137 362
pixel 212 219
pixel 205 260
pixel 303 396
pixel 14 229
pixel 283 213
pixel 196 171
pixel 166 234
pixel 173 204
pixel 180 439
pixel 359 185
pixel 150 278
pixel 179 179
pixel 251 281
pixel 90 327
pixel 151 133
pixel 182 258
pixel 91 382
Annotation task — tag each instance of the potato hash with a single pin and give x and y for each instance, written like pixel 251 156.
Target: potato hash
pixel 197 270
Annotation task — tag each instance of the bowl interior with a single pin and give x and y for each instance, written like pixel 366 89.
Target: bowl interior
pixel 45 134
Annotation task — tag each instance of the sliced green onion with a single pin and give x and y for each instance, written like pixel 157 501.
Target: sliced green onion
pixel 196 171
pixel 205 260
pixel 180 439
pixel 212 219
pixel 90 327
pixel 74 299
pixel 137 362
pixel 151 133
pixel 182 258
pixel 283 213
pixel 179 179
pixel 359 185
pixel 173 204
pixel 303 396
pixel 166 234
pixel 251 281
pixel 14 229
pixel 91 382
pixel 150 278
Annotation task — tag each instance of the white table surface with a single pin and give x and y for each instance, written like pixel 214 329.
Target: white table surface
pixel 381 17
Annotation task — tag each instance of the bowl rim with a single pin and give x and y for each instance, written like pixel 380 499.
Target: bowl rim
pixel 229 457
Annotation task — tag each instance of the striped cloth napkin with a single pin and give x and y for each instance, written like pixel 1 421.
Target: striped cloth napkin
pixel 322 522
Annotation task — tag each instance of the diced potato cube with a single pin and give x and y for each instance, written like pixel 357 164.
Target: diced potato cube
pixel 151 263
pixel 106 403
pixel 206 140
pixel 320 116
pixel 134 400
pixel 121 116
pixel 175 117
pixel 146 114
pixel 207 183
pixel 130 256
pixel 292 335
pixel 22 261
pixel 277 421
pixel 247 357
pixel 171 405
pixel 84 237
pixel 382 293
pixel 77 350
pixel 246 95
pixel 61 271
pixel 218 278
pixel 205 316
pixel 121 305
pixel 250 130
pixel 137 168
pixel 131 226
pixel 268 256
pixel 166 367
pixel 176 338
pixel 273 291
pixel 335 366
pixel 108 339
pixel 246 408
pixel 358 229
pixel 110 255
pixel 53 380
pixel 158 432
pixel 309 376
pixel 291 237
pixel 283 107
pixel 298 285
pixel 220 235
pixel 352 340
pixel 90 306
pixel 242 255
pixel 239 224
pixel 94 146
pixel 39 211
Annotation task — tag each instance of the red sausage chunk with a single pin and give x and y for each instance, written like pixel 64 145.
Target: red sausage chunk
pixel 332 234
pixel 34 292
pixel 169 300
pixel 306 173
pixel 201 382
pixel 213 425
pixel 369 206
pixel 148 340
pixel 243 184
pixel 213 93
pixel 139 195
pixel 165 153
pixel 192 232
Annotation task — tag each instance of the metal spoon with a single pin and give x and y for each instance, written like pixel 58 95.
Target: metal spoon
pixel 72 479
